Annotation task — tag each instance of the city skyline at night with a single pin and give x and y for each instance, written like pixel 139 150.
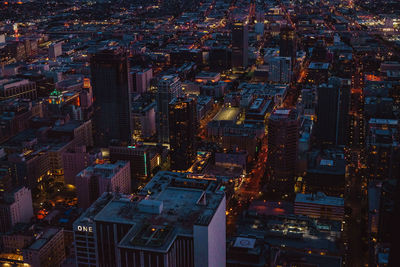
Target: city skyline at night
pixel 199 133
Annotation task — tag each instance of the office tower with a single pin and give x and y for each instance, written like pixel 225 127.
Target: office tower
pixel 15 207
pixel 308 100
pixel 259 28
pixel 283 135
pixel 17 50
pixel 394 256
pixel 75 160
pixel 173 221
pixel 332 112
pixel 29 167
pixel 280 70
pixel 287 43
pixel 382 147
pixel 78 131
pixel 240 45
pixel 17 88
pixel 93 181
pixel 319 52
pixel 182 132
pixel 378 107
pixel 386 207
pixel 143 159
pixel 317 73
pixel 139 79
pixel 109 68
pixel 326 171
pixel 143 120
pixel 55 50
pixel 30 47
pixel 180 56
pixel 47 249
pixel 6 177
pixel 168 88
pixel 84 231
pixel 220 58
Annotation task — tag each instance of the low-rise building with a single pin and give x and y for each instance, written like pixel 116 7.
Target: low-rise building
pixel 319 206
pixel 47 250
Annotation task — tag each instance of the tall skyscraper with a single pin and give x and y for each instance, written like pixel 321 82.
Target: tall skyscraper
pixel 169 87
pixel 332 112
pixel 182 132
pixel 283 135
pixel 240 45
pixel 109 69
pixel 287 43
pixel 174 221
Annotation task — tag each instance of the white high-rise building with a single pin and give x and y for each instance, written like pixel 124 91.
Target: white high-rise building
pixel 173 222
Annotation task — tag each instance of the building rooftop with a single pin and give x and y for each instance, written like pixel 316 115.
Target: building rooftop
pixel 328 161
pixel 227 114
pixel 107 170
pixel 383 121
pixel 168 206
pixel 318 66
pixel 243 242
pixel 67 127
pixel 206 74
pixel 319 199
pixel 43 238
pixel 296 258
pixel 271 208
pixel 291 231
pixel 281 113
pixel 88 215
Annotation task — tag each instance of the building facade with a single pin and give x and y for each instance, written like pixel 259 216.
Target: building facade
pixel 174 221
pixel 15 207
pixel 182 132
pixel 283 136
pixel 319 206
pixel 168 88
pixel 93 181
pixel 240 45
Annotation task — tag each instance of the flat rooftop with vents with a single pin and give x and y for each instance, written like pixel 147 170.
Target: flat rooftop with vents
pixel 170 205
